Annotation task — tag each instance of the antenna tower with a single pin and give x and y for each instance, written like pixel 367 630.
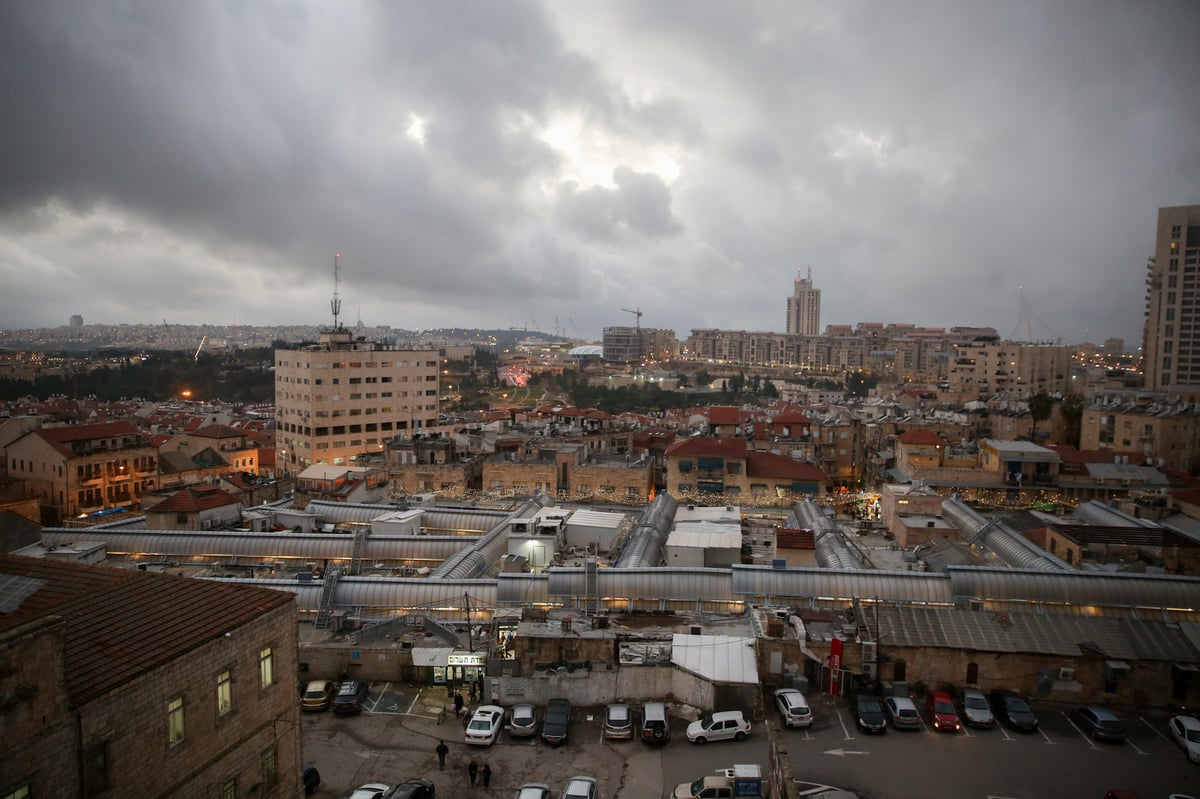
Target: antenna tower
pixel 335 304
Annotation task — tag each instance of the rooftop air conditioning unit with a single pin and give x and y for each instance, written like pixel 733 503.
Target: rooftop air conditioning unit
pixel 1066 673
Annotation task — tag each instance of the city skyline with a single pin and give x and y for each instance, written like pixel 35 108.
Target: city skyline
pixel 547 166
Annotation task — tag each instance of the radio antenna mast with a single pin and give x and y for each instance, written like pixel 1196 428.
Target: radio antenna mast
pixel 335 304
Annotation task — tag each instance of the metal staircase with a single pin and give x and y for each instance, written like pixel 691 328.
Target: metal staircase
pixel 591 591
pixel 325 612
pixel 360 543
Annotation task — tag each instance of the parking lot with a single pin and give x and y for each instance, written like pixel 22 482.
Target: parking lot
pixel 395 738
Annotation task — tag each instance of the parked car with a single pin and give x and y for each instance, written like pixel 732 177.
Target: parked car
pixel 311 779
pixel 618 721
pixel 942 713
pixel 522 721
pixel 793 708
pixel 902 713
pixel 412 789
pixel 350 697
pixel 580 787
pixel 534 790
pixel 655 727
pixel 723 725
pixel 975 710
pixel 868 713
pixel 484 726
pixel 1010 708
pixel 1100 723
pixel 372 790
pixel 318 695
pixel 556 720
pixel 1185 731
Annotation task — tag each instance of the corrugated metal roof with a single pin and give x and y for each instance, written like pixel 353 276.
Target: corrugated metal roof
pixel 1080 587
pixel 718 538
pixel 719 658
pixel 805 583
pixel 387 593
pixel 645 543
pixel 518 588
pixel 662 583
pixel 487 550
pixel 596 518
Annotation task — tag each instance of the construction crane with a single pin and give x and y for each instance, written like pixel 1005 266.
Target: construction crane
pixel 637 313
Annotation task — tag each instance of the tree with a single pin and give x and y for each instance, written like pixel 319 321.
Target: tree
pixel 1071 411
pixel 1041 405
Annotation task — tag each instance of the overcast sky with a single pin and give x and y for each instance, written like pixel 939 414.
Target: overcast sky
pixel 510 164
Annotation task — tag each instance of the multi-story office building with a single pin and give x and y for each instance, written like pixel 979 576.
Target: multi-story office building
pixel 804 308
pixel 346 397
pixel 1171 337
pixel 1010 369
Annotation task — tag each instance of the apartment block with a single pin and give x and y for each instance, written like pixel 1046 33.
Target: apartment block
pixel 81 469
pixel 706 466
pixel 1016 370
pixel 1159 432
pixel 345 397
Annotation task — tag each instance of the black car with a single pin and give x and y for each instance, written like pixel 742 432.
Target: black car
pixel 412 789
pixel 868 713
pixel 1010 708
pixel 554 723
pixel 350 696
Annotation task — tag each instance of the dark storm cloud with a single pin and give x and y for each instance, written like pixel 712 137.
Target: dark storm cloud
pixel 931 161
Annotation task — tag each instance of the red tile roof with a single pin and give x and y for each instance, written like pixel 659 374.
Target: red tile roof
pixel 709 447
pixel 86 432
pixel 194 499
pixel 778 467
pixel 124 623
pixel 218 431
pixel 724 414
pixel 922 437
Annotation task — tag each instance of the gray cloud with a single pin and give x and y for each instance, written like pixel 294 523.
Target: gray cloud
pixel 484 165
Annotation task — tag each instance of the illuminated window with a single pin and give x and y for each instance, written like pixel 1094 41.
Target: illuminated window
pixel 266 667
pixel 224 692
pixel 175 721
pixel 20 792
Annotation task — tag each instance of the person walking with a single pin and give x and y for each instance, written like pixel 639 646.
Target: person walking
pixel 472 770
pixel 458 703
pixel 486 774
pixel 442 750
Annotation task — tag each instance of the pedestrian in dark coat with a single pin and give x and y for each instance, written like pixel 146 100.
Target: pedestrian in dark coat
pixel 472 770
pixel 442 750
pixel 486 774
pixel 458 703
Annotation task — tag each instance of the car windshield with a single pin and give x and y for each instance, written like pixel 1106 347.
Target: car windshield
pixel 868 705
pixel 1016 705
pixel 975 702
pixel 484 724
pixel 697 787
pixel 314 692
pixel 1193 735
pixel 706 721
pixel 943 707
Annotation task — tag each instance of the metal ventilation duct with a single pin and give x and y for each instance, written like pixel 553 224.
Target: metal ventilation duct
pixel 647 538
pixel 1101 515
pixel 832 551
pixel 1009 545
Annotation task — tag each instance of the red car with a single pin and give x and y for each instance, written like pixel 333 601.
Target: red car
pixel 942 713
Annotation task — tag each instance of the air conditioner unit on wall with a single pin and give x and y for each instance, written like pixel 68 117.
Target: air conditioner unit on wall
pixel 1066 673
pixel 869 670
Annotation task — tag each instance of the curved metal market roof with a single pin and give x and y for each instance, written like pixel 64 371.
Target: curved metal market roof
pixel 392 593
pixel 1076 587
pixel 1010 546
pixel 649 534
pixel 809 583
pixel 486 551
pixel 522 588
pixel 672 583
pixel 1099 514
pixel 456 519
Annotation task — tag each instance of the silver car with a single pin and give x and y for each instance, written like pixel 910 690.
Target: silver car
pixel 902 712
pixel 975 709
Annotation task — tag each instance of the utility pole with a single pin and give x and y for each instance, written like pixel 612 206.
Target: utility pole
pixel 470 638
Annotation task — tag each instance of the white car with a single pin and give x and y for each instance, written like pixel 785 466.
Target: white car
pixel 580 787
pixel 372 790
pixel 534 790
pixel 1185 730
pixel 720 726
pixel 793 708
pixel 484 725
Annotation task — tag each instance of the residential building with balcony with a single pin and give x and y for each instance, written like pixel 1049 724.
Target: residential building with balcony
pixel 77 470
pixel 726 467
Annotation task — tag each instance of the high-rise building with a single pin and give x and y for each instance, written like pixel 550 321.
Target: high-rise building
pixel 1171 337
pixel 804 308
pixel 346 397
pixel 76 320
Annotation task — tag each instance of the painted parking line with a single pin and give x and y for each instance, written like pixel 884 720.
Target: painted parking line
pixel 1135 747
pixel 1155 730
pixel 1082 734
pixel 845 730
pixel 1004 732
pixel 1047 737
